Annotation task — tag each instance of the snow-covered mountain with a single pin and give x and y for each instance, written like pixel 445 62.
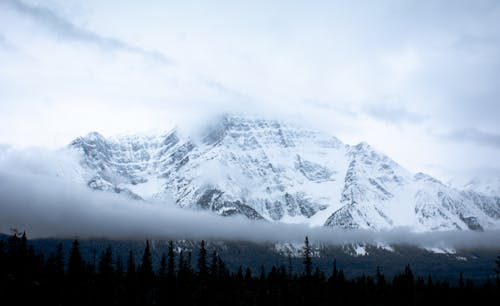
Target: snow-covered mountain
pixel 267 169
pixel 487 186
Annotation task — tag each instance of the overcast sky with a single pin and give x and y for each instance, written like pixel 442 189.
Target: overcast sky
pixel 419 80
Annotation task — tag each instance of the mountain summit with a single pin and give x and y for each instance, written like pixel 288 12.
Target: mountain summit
pixel 271 170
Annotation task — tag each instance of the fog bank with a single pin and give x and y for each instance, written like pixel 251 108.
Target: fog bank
pixel 33 197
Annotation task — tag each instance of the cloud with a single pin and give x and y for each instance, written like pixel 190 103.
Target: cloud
pixel 67 30
pixel 475 136
pixel 394 114
pixel 330 65
pixel 3 41
pixel 33 197
pixel 5 44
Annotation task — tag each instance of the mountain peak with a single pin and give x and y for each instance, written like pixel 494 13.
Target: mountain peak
pixel 363 146
pixel 267 169
pixel 94 136
pixel 89 139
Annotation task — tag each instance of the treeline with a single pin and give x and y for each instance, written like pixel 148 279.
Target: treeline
pixel 30 277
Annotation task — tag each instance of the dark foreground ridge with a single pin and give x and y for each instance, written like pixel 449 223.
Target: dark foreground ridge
pixel 68 278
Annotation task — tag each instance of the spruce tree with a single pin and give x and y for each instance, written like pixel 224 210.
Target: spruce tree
pixel 187 262
pixel 248 275
pixel 105 266
pixel 380 279
pixel 202 261
pixel 182 265
pixel 335 272
pixel 23 247
pixel 214 267
pixel 262 276
pixel 130 264
pixel 76 266
pixel 119 265
pixel 307 258
pixel 222 267
pixel 2 256
pixel 239 274
pixel 290 266
pixel 162 271
pixel 171 261
pixel 59 260
pixel 497 267
pixel 147 262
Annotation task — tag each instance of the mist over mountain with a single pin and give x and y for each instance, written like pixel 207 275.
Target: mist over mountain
pixel 271 170
pixel 242 178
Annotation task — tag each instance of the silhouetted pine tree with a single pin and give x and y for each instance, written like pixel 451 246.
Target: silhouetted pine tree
pixel 188 262
pixel 119 265
pixel 146 268
pixel 182 264
pixel 164 292
pixel 497 269
pixel 202 267
pixel 76 265
pixel 307 258
pixel 214 266
pixel 105 277
pixel 105 267
pixel 171 261
pixel 131 290
pixel 239 275
pixel 223 272
pixel 162 271
pixel 26 279
pixel 248 275
pixel 59 260
pixel 130 264
pixel 262 276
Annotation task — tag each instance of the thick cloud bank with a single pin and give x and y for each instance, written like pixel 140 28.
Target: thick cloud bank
pixel 33 197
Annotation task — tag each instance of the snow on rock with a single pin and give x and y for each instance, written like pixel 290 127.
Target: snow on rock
pixel 271 170
pixel 486 186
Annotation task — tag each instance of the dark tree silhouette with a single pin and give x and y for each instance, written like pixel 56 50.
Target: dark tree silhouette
pixel 76 265
pixel 27 278
pixel 202 267
pixel 307 258
pixel 146 268
pixel 59 260
pixel 182 264
pixel 105 266
pixel 130 264
pixel 497 268
pixel 171 261
pixel 214 266
pixel 119 265
pixel 162 271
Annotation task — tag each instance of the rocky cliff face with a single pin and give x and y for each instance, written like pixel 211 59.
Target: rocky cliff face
pixel 266 169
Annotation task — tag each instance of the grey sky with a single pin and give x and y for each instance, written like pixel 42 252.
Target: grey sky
pixel 66 30
pixel 416 79
pixel 477 137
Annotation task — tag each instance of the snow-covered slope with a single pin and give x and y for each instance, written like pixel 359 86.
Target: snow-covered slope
pixel 266 169
pixel 487 186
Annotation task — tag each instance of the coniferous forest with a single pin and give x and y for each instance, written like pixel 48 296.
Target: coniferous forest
pixel 27 276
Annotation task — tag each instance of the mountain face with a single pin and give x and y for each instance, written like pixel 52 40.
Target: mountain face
pixel 265 169
pixel 487 186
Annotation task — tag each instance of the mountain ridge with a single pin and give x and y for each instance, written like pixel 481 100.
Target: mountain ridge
pixel 272 170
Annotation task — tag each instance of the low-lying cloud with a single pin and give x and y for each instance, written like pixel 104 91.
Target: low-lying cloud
pixel 35 198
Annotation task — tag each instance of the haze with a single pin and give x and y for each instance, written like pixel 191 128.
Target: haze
pixel 33 198
pixel 416 79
